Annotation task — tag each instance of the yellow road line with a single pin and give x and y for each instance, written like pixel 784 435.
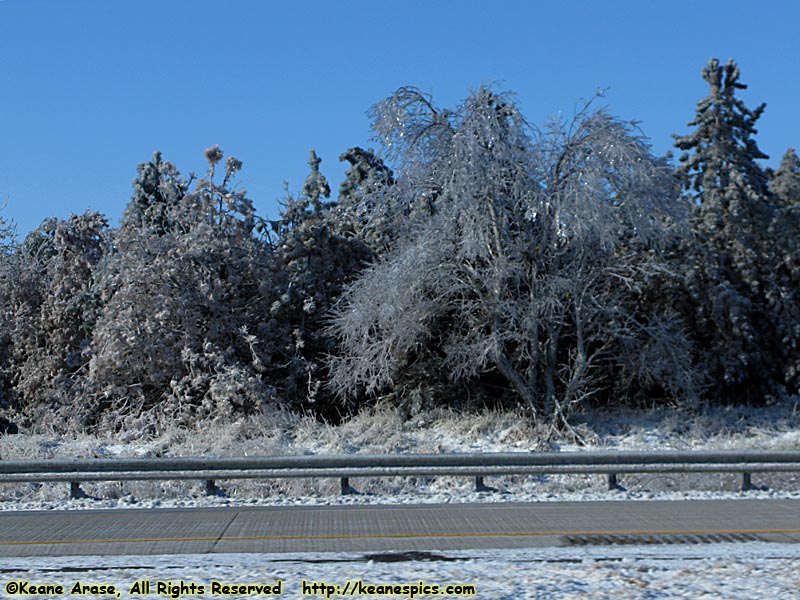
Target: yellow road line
pixel 404 536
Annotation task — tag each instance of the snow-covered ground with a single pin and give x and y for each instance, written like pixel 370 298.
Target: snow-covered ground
pixel 748 570
pixel 725 571
pixel 386 431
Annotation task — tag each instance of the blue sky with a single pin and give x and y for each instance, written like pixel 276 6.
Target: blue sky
pixel 90 88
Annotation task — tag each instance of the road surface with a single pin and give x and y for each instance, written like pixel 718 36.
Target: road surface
pixel 392 527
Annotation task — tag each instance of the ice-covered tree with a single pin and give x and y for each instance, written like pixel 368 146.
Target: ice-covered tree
pixel 7 235
pixel 157 191
pixel 785 181
pixel 729 266
pixel 182 332
pixel 366 171
pixel 524 266
pixel 7 243
pixel 719 168
pixel 315 257
pixel 298 212
pixel 784 296
pixel 48 310
pixel 363 209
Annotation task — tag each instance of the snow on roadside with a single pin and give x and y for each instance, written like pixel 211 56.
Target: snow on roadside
pixel 748 570
pixel 384 430
pixel 422 496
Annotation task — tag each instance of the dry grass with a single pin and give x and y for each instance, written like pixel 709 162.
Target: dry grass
pixel 384 430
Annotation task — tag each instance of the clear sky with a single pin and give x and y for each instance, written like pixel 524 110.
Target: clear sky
pixel 90 88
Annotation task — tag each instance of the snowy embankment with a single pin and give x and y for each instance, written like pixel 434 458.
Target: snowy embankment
pixel 747 570
pixel 385 431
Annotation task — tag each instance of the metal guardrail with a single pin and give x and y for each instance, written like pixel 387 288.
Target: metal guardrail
pixel 344 467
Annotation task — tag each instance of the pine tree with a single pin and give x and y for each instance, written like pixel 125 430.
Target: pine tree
pixel 7 236
pixel 785 298
pixel 157 190
pixel 6 271
pixel 299 211
pixel 363 209
pixel 785 182
pixel 314 260
pixel 721 153
pixel 366 171
pixel 721 175
pixel 730 263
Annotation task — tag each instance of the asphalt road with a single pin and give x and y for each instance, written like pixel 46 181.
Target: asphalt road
pixel 380 528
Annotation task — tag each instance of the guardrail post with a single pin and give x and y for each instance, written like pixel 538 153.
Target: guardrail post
pixel 212 489
pixel 747 484
pixel 613 483
pixel 344 483
pixel 75 490
pixel 482 487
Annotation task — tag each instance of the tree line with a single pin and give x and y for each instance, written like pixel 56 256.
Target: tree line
pixel 474 260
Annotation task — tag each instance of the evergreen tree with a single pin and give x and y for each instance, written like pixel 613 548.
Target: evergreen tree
pixel 363 209
pixel 366 170
pixel 181 334
pixel 7 236
pixel 729 265
pixel 7 269
pixel 157 190
pixel 316 185
pixel 309 206
pixel 785 182
pixel 785 297
pixel 314 260
pixel 719 164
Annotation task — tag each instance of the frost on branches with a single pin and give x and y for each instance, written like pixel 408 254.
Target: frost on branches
pixel 530 270
pixel 472 260
pixel 47 311
pixel 740 301
pixel 184 289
